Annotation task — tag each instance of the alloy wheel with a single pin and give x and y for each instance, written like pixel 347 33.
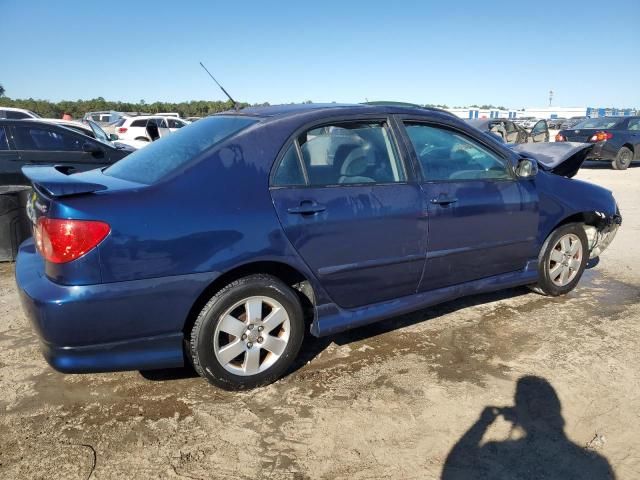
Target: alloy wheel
pixel 251 335
pixel 565 260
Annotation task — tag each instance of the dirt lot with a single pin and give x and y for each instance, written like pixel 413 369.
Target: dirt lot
pixel 403 399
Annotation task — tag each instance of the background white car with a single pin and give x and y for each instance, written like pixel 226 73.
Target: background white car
pixel 16 113
pixel 93 130
pixel 135 128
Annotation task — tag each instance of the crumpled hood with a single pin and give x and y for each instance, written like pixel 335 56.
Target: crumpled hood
pixel 561 158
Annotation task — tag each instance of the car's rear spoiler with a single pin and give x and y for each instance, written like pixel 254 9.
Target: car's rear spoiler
pixel 58 181
pixel 561 158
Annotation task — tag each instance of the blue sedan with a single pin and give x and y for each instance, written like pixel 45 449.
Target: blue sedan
pixel 224 243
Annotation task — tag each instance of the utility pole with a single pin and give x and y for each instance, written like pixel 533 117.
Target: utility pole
pixel 550 96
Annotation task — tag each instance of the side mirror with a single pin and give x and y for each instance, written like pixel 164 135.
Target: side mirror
pixel 527 168
pixel 113 137
pixel 89 147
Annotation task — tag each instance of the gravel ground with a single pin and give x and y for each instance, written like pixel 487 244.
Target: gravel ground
pixel 407 398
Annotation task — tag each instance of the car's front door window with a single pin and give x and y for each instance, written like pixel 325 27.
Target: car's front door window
pixel 447 155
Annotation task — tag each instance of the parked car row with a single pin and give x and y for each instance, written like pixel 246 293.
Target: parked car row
pixel 509 131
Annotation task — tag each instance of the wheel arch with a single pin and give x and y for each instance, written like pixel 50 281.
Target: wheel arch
pixel 630 147
pixel 588 217
pixel 283 271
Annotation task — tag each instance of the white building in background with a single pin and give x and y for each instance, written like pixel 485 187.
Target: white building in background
pixel 542 112
pixel 472 112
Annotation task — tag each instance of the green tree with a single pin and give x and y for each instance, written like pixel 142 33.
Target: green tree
pixel 1 91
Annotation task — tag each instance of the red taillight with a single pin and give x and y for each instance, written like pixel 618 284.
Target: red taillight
pixel 601 137
pixel 122 129
pixel 560 138
pixel 61 241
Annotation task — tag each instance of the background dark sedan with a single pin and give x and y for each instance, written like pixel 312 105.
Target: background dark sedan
pixel 511 132
pixel 617 139
pixel 35 142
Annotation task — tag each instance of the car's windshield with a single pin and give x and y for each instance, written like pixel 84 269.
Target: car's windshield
pixel 603 122
pixel 151 163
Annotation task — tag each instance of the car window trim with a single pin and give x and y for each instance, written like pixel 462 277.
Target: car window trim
pixel 6 139
pixel 386 120
pixel 402 119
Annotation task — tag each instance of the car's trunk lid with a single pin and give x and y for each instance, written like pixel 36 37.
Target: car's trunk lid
pixel 580 135
pixel 561 158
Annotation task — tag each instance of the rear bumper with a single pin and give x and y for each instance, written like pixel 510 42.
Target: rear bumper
pixel 134 325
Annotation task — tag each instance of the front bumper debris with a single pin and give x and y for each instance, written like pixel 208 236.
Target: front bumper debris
pixel 602 234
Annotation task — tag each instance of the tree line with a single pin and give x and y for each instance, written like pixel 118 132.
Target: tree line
pixel 77 108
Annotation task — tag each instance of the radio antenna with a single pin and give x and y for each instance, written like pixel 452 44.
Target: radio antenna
pixel 236 105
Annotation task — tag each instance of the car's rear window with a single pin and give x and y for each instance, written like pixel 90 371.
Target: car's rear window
pixel 151 163
pixel 602 122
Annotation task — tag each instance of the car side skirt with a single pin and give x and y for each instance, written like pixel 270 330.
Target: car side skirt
pixel 332 319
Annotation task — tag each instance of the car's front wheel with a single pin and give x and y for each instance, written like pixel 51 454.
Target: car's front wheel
pixel 562 260
pixel 248 334
pixel 623 159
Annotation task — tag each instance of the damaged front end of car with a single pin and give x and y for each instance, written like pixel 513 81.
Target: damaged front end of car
pixel 601 231
pixel 597 211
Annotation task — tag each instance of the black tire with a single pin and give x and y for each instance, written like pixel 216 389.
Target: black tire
pixel 203 337
pixel 546 285
pixel 623 159
pixel 143 139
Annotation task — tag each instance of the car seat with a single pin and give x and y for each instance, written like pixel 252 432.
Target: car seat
pixel 355 166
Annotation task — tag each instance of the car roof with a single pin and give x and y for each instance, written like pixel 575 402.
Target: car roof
pixel 15 109
pixel 280 111
pixel 46 121
pixel 146 117
pixel 64 123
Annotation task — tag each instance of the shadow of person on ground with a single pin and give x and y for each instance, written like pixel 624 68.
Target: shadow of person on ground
pixel 542 452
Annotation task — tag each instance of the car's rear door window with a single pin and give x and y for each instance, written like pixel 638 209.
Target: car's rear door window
pixel 345 153
pixel 13 115
pixel 38 138
pixel 448 155
pixel 160 158
pixel 289 171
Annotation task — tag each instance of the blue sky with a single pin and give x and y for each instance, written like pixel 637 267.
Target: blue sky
pixel 455 52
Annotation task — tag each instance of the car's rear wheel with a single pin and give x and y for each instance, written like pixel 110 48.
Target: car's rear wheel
pixel 623 159
pixel 562 260
pixel 248 334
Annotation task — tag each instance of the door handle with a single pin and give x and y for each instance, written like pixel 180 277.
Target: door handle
pixel 444 200
pixel 307 208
